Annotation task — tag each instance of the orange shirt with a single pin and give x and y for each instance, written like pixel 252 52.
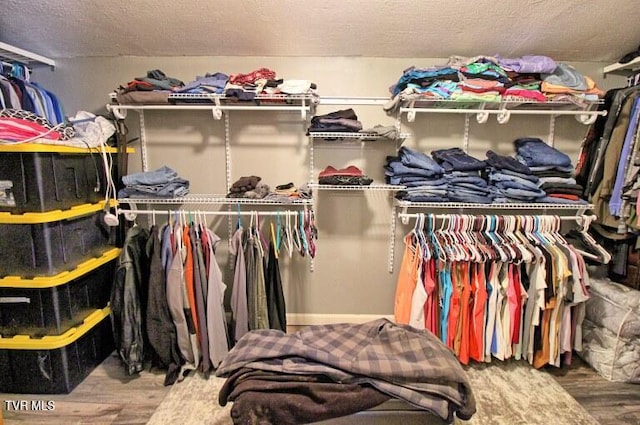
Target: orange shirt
pixel 188 278
pixel 465 313
pixel 407 279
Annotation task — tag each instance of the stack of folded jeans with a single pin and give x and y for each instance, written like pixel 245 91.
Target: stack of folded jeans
pixel 344 120
pixel 455 159
pixel 512 180
pixel 422 176
pixel 468 187
pixel 161 183
pixel 554 171
pixel 463 176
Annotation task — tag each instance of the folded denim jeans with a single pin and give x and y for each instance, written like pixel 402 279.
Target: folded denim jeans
pixel 424 198
pixel 550 200
pixel 422 182
pixel 534 152
pixel 162 175
pixel 458 160
pixel 515 184
pixel 470 198
pixel 399 169
pixel 502 162
pixel 466 187
pixel 417 159
pixel 469 179
pixel 505 172
pixel 496 176
pixel 523 194
pixel 426 183
pixel 176 188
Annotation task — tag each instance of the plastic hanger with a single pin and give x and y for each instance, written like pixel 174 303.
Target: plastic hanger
pixel 274 241
pixel 303 236
pixel 289 236
pixel 308 233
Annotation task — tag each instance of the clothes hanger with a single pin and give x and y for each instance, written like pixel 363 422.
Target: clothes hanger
pixel 303 237
pixel 288 235
pixel 308 233
pixel 297 241
pixel 274 240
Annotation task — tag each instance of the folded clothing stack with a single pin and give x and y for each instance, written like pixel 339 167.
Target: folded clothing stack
pixel 344 120
pixel 462 173
pixel 289 192
pixel 248 187
pixel 422 176
pixel 349 176
pixel 554 170
pixel 162 183
pixel 511 180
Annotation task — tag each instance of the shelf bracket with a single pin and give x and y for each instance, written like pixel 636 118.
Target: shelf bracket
pixel 411 115
pixel 503 116
pixel 482 117
pixel 403 214
pixel 586 119
pixel 216 111
pixel 117 112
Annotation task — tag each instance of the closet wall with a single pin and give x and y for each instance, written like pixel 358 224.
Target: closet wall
pixel 351 267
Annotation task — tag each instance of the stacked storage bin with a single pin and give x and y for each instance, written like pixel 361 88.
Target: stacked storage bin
pixel 57 263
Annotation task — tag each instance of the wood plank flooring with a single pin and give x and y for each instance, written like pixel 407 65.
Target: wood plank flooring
pixel 110 397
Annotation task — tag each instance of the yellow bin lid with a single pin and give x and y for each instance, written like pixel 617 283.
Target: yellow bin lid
pixel 25 342
pixel 41 282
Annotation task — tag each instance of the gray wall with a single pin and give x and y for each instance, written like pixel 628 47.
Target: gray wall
pixel 351 275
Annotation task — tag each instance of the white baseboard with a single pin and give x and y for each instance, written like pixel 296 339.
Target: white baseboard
pixel 308 319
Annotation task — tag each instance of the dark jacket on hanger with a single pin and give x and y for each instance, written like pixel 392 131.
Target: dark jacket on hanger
pixel 129 300
pixel 160 327
pixel 275 298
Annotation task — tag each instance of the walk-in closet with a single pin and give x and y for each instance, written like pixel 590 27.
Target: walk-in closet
pixel 296 212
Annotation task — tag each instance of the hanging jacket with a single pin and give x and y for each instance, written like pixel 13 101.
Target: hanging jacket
pixel 129 299
pixel 160 327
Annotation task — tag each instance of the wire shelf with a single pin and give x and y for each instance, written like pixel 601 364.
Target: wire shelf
pixel 203 199
pixel 504 206
pixel 373 186
pixel 11 53
pixel 332 136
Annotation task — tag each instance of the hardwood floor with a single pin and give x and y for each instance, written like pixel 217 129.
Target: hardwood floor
pixel 110 397
pixel 609 402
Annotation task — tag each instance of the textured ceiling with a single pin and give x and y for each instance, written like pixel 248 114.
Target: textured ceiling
pixel 568 30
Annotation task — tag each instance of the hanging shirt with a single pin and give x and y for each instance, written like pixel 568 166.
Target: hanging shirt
pixel 407 278
pixel 216 317
pixel 493 288
pixel 419 297
pixel 239 307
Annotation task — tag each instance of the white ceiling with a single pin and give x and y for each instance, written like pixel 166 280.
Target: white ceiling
pixel 567 30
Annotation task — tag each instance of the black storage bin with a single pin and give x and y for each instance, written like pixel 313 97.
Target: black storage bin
pixel 51 306
pixel 50 247
pixel 46 181
pixel 55 365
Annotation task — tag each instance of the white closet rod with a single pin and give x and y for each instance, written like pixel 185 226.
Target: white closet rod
pixel 578 218
pixel 214 213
